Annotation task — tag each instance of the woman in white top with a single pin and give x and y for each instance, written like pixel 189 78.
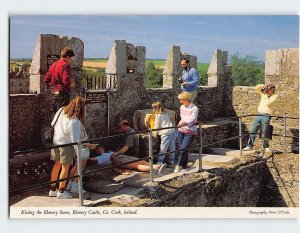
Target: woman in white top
pixel 168 136
pixel 66 130
pixel 187 130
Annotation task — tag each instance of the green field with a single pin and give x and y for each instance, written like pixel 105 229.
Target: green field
pixel 90 63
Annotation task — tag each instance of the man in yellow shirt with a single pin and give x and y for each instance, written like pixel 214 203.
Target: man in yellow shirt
pixel 265 110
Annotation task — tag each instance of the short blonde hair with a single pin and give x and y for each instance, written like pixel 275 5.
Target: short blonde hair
pixel 185 96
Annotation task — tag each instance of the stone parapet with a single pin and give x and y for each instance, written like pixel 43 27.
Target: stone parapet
pixel 47 50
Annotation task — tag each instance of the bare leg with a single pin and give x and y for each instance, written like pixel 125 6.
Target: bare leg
pixel 55 172
pixel 63 174
pixel 142 166
pixel 74 170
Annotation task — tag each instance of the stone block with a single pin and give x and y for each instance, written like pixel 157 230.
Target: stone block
pixel 293 62
pixel 193 61
pixel 271 66
pixel 117 60
pixel 171 70
pixel 103 186
pixel 123 199
pixel 212 81
pixel 47 46
pixel 141 63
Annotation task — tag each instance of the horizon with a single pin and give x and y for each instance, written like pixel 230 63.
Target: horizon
pixel 196 35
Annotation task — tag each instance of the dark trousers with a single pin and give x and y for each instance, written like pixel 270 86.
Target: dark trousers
pixel 184 141
pixel 59 100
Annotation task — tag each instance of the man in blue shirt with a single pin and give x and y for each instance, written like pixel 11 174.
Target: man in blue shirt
pixel 189 78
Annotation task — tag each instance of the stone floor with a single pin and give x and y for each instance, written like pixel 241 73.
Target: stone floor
pixel 122 189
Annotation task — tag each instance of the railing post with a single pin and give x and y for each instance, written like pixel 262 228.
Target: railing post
pixel 150 154
pixel 200 147
pixel 79 168
pixel 108 110
pixel 240 136
pixel 284 134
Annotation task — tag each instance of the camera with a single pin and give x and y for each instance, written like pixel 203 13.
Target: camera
pixel 181 80
pixel 264 89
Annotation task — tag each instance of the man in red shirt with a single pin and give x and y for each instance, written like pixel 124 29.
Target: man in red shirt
pixel 58 79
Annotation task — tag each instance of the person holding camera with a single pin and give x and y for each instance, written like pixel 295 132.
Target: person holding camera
pixel 265 110
pixel 189 79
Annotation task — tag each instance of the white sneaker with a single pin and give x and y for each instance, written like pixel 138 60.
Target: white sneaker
pixel 161 168
pixel 75 188
pixel 177 169
pixel 53 193
pixel 64 195
pixel 247 148
pixel 268 150
pixel 69 186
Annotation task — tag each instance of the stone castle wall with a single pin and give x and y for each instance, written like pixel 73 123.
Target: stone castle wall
pixel 126 76
pixel 282 70
pixel 47 50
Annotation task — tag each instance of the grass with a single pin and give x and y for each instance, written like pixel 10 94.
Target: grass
pixel 201 67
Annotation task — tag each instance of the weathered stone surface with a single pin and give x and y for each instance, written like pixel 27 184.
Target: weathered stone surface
pixel 123 199
pixel 282 62
pixel 28 169
pixel 243 105
pixel 281 181
pixel 171 71
pixel 103 186
pixel 217 68
pixel 48 44
pixel 141 64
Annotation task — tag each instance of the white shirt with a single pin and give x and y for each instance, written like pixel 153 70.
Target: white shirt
pixel 163 121
pixel 67 130
pixel 188 117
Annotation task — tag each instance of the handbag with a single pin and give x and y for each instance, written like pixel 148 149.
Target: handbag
pixel 48 133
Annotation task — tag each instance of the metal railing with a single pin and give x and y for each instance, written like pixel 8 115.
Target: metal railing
pixel 151 157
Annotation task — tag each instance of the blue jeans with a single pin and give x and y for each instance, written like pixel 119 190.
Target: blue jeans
pixel 167 144
pixel 258 122
pixel 184 141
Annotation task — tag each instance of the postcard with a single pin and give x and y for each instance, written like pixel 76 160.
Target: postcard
pixel 153 116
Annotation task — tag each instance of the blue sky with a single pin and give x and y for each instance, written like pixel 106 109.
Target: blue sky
pixel 197 35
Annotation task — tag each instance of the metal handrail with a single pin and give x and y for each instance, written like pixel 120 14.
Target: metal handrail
pixel 151 156
pixel 93 171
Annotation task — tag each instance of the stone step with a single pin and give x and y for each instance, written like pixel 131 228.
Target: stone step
pixel 213 160
pixel 230 152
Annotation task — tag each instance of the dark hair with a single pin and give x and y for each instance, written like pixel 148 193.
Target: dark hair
pixel 67 52
pixel 185 59
pixel 124 123
pixel 271 86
